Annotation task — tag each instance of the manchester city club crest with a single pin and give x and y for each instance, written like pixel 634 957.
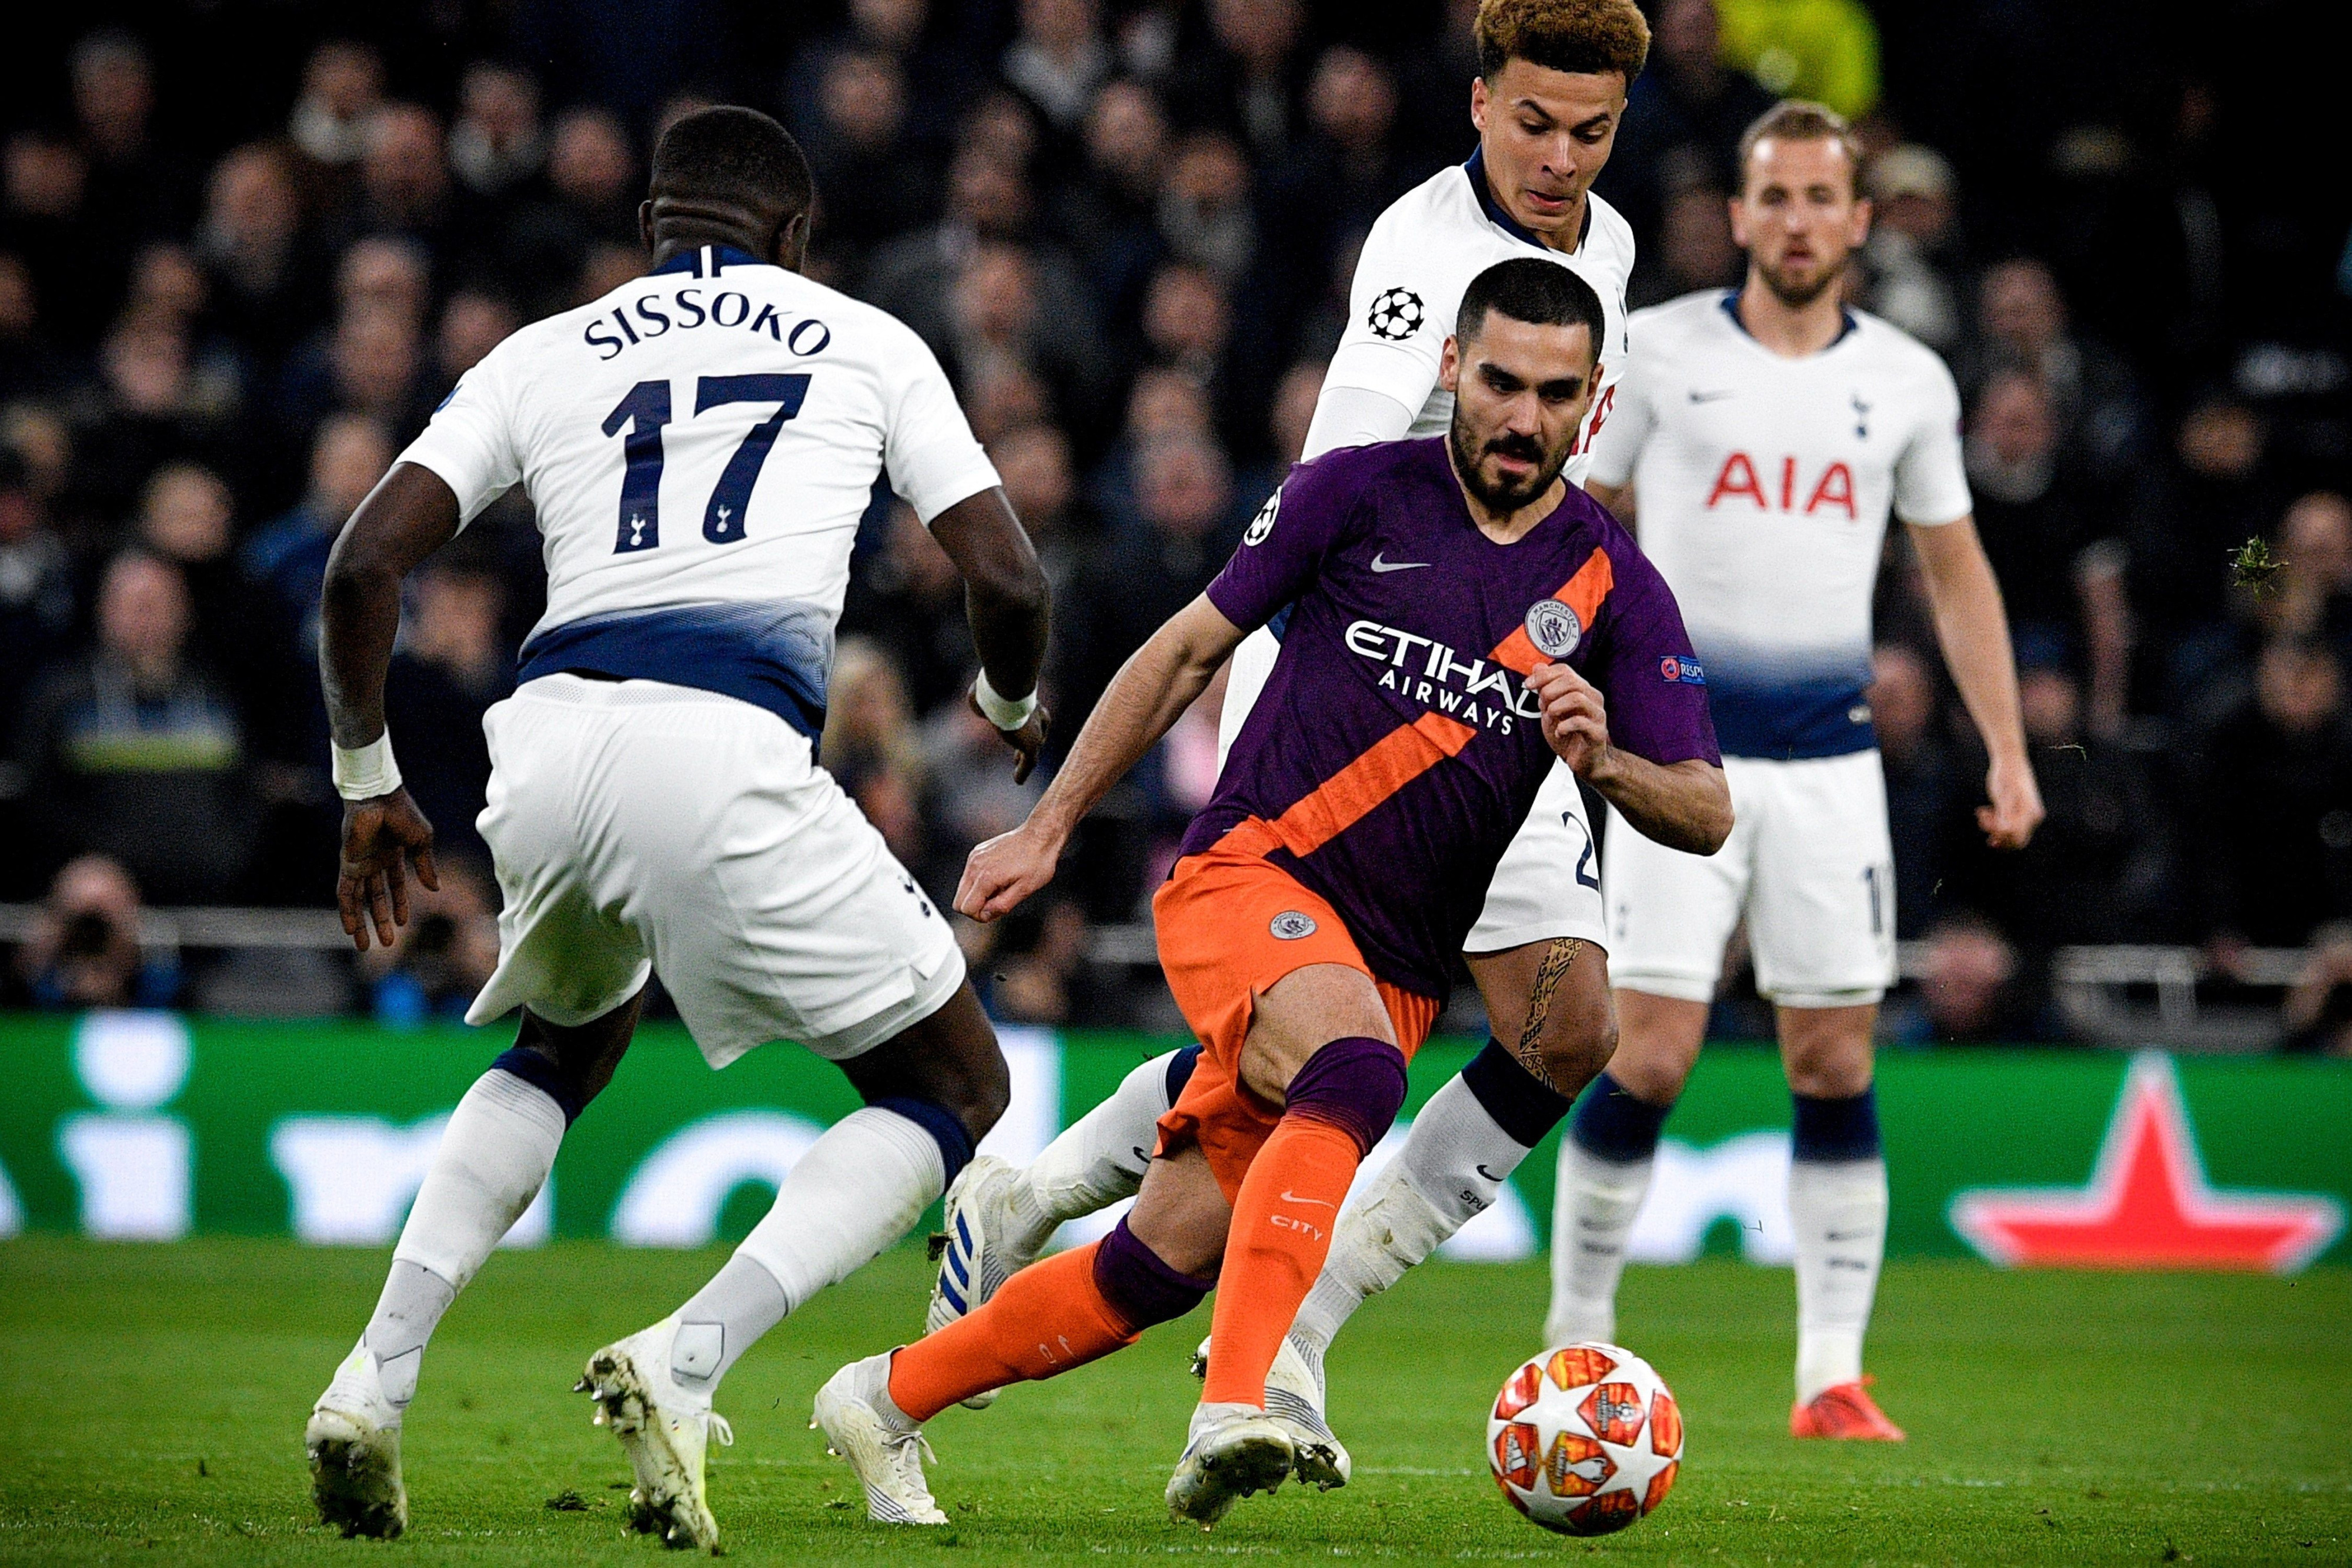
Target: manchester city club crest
pixel 1263 524
pixel 1553 628
pixel 1291 925
pixel 1396 315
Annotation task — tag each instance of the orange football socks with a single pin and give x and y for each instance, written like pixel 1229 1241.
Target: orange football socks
pixel 1283 1220
pixel 1338 1104
pixel 1047 1319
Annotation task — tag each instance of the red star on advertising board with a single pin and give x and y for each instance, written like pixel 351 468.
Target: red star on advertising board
pixel 2147 1204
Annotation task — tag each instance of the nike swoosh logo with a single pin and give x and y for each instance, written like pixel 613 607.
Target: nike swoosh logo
pixel 1380 565
pixel 1290 1196
pixel 1482 1171
pixel 1844 1234
pixel 1710 397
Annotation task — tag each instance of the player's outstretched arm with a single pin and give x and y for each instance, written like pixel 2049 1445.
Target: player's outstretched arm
pixel 1007 600
pixel 1973 629
pixel 1147 697
pixel 1682 805
pixel 411 513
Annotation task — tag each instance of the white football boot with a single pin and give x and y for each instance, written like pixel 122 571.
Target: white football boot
pixel 987 1241
pixel 1233 1450
pixel 884 1448
pixel 1294 1397
pixel 354 1444
pixel 665 1430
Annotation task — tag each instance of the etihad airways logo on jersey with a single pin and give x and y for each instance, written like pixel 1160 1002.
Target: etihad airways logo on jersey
pixel 1442 679
pixel 682 311
pixel 1832 490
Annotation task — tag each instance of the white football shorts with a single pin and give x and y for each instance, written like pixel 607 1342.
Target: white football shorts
pixel 1810 863
pixel 1548 883
pixel 641 827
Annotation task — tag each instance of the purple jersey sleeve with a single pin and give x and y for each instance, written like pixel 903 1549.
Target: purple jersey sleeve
pixel 1652 683
pixel 1288 540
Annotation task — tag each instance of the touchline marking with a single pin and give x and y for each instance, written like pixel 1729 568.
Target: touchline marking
pixel 1380 565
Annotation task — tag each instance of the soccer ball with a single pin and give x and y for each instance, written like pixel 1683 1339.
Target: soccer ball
pixel 1585 1439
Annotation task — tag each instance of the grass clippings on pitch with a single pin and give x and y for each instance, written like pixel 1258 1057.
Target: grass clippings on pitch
pixel 151 1401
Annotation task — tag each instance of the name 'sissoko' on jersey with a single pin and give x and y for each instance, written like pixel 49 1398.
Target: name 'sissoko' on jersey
pixel 731 309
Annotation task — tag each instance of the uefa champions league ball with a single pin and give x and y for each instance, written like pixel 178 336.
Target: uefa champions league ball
pixel 1585 1439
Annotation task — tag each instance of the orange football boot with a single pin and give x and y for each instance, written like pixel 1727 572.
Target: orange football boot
pixel 1843 1410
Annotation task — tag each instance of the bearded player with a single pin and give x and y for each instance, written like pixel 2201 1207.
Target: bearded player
pixel 1766 435
pixel 1553 76
pixel 1310 922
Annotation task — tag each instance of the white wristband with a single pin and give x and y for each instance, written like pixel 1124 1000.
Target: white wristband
pixel 365 772
pixel 1002 713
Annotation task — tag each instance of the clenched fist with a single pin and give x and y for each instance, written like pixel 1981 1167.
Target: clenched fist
pixel 1006 870
pixel 1575 717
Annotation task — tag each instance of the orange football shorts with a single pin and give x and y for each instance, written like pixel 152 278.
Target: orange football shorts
pixel 1231 924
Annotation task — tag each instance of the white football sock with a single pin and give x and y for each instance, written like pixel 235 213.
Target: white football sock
pixel 1593 1207
pixel 493 1159
pixel 1454 1160
pixel 741 1302
pixel 1100 1157
pixel 406 1313
pixel 857 1189
pixel 1389 1230
pixel 1839 1208
pixel 1458 1155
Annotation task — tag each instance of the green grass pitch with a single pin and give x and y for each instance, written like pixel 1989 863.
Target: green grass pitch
pixel 151 1400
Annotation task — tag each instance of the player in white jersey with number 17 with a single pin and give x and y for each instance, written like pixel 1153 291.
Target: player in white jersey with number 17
pixel 699 445
pixel 1762 437
pixel 1549 95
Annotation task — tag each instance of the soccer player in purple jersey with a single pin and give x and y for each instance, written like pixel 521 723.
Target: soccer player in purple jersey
pixel 1307 929
pixel 1549 94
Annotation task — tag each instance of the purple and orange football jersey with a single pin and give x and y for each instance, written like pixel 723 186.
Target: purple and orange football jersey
pixel 1396 748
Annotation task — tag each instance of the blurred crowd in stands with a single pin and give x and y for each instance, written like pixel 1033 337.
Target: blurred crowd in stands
pixel 244 251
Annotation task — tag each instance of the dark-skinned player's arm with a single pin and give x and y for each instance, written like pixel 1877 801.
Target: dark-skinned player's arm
pixel 1147 695
pixel 1682 805
pixel 1005 599
pixel 1972 627
pixel 411 513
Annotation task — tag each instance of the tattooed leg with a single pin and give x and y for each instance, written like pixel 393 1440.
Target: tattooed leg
pixel 1558 959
